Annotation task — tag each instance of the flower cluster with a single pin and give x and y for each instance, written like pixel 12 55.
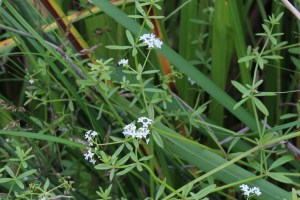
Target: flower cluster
pixel 123 62
pixel 248 191
pixel 90 138
pixel 151 40
pixel 31 81
pixel 90 155
pixel 192 82
pixel 141 132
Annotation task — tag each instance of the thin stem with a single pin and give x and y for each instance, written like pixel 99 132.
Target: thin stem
pixel 16 175
pixel 161 182
pixel 256 117
pixel 215 170
pixel 239 182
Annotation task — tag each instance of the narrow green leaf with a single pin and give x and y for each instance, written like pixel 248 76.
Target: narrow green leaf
pixel 295 50
pixel 246 59
pixel 146 158
pixel 187 188
pixel 9 171
pixel 154 90
pixel 273 57
pixel 266 28
pixel 123 160
pixel 289 115
pixel 239 86
pixel 260 62
pixel 117 47
pixel 20 184
pixel 263 94
pixel 238 104
pixel 260 106
pixel 112 174
pixel 151 71
pixel 266 138
pixel 138 6
pixel 281 161
pixel 27 173
pixel 46 185
pixel 118 151
pixel 258 83
pixel 5 180
pixel 280 177
pixel 129 37
pixel 125 171
pixel 103 166
pixel 157 139
pixel 205 191
pixel 160 190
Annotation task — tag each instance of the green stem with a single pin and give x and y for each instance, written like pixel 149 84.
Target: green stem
pixel 256 117
pixel 151 162
pixel 162 183
pixel 215 170
pixel 239 182
pixel 16 175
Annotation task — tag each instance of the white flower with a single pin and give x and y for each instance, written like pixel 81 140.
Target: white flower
pixel 89 154
pixel 248 191
pixel 94 133
pixel 43 198
pixel 31 81
pixel 244 187
pixel 146 121
pixel 158 43
pixel 130 129
pixel 192 82
pixel 256 191
pixel 151 40
pixel 123 62
pixel 142 132
pixel 89 136
pixel 93 161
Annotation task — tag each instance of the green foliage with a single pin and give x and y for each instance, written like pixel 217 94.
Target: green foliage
pixel 147 112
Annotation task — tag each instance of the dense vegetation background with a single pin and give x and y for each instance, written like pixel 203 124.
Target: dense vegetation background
pixel 220 95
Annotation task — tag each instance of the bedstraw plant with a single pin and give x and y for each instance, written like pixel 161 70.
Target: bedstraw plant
pixel 132 100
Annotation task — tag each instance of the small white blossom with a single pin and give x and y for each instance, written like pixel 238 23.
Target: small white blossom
pixel 151 40
pixel 93 161
pixel 94 133
pixel 43 198
pixel 192 82
pixel 256 191
pixel 142 132
pixel 123 62
pixel 249 191
pixel 147 140
pixel 158 43
pixel 89 154
pixel 90 139
pixel 146 121
pixel 31 81
pixel 89 136
pixel 130 129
